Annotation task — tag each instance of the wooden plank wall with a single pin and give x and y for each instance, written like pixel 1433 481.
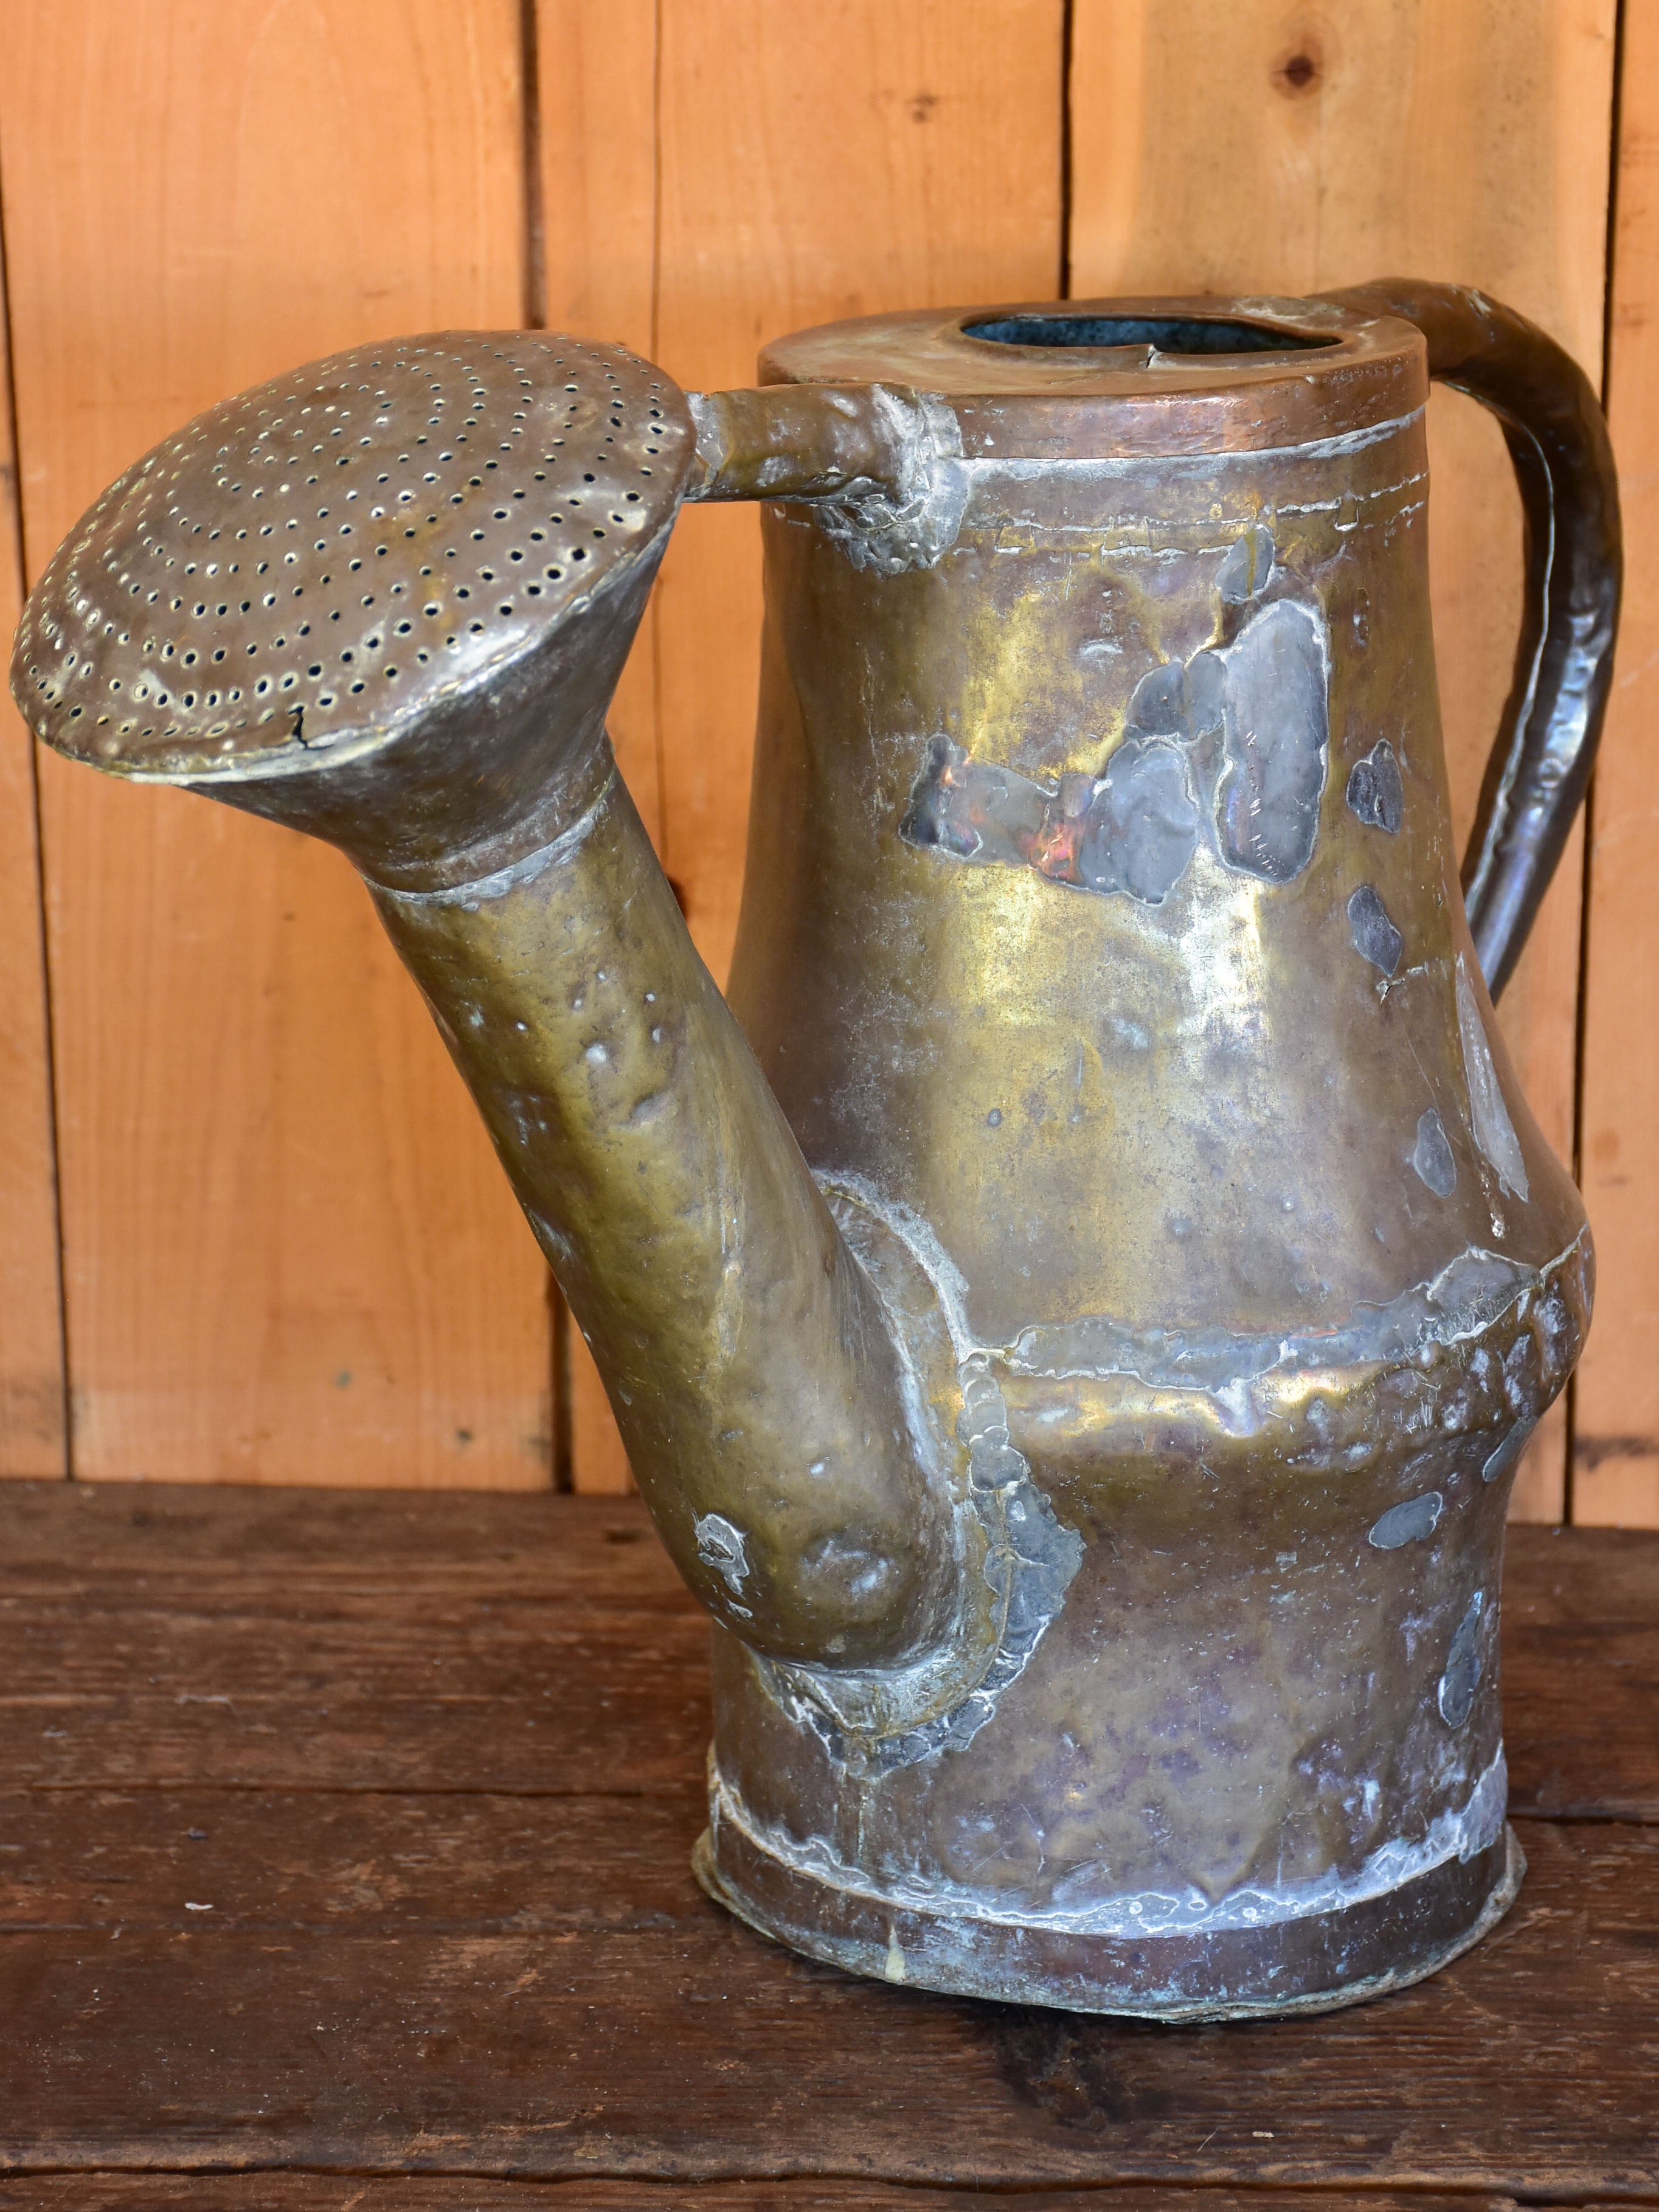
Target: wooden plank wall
pixel 33 1428
pixel 285 1253
pixel 1616 1464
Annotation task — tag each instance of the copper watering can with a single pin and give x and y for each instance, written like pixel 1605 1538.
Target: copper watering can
pixel 1075 1309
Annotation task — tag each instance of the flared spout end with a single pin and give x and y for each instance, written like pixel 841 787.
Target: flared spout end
pixel 397 583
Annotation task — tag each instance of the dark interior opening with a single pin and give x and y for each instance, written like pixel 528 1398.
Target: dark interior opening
pixel 1171 334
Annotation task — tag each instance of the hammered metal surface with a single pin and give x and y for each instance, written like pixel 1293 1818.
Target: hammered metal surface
pixel 321 557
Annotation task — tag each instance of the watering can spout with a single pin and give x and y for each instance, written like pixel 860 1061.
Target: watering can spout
pixel 385 600
pixel 762 1394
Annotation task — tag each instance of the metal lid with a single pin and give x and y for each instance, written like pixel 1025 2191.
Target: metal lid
pixel 315 563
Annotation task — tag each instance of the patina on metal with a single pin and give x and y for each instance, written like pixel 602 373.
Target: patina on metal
pixel 1076 1315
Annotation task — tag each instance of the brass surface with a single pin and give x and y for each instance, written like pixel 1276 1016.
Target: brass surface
pixel 1076 1335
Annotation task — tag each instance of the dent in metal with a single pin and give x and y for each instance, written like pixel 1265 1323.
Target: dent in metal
pixel 1489 1117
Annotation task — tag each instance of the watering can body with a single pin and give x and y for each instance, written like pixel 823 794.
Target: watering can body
pixel 1078 1325
pixel 1102 931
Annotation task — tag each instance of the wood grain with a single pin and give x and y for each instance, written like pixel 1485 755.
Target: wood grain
pixel 598 144
pixel 286 1641
pixel 597 139
pixel 288 1253
pixel 841 160
pixel 692 2049
pixel 599 1459
pixel 32 1441
pixel 1580 1637
pixel 812 163
pixel 311 2192
pixel 385 1964
pixel 1616 1477
pixel 1284 148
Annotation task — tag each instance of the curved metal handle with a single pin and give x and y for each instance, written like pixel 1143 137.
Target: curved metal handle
pixel 1558 441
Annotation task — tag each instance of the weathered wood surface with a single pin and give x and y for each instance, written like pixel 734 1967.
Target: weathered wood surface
pixel 32 1438
pixel 315 1640
pixel 685 2045
pixel 810 163
pixel 596 219
pixel 289 1254
pixel 1581 1674
pixel 1616 1473
pixel 350 1833
pixel 355 2193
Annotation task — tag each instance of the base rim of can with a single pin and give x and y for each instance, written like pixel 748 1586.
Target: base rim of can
pixel 1320 1962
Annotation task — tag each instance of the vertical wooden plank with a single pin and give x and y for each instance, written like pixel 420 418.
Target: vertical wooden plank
pixel 597 81
pixel 597 76
pixel 1616 1476
pixel 838 160
pixel 288 1253
pixel 1267 148
pixel 32 1438
pixel 859 155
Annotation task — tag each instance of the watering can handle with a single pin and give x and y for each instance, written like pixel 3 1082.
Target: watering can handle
pixel 1558 441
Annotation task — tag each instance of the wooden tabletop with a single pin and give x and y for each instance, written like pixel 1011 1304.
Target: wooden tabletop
pixel 344 1854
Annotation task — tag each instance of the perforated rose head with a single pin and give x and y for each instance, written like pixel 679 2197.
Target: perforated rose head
pixel 374 559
